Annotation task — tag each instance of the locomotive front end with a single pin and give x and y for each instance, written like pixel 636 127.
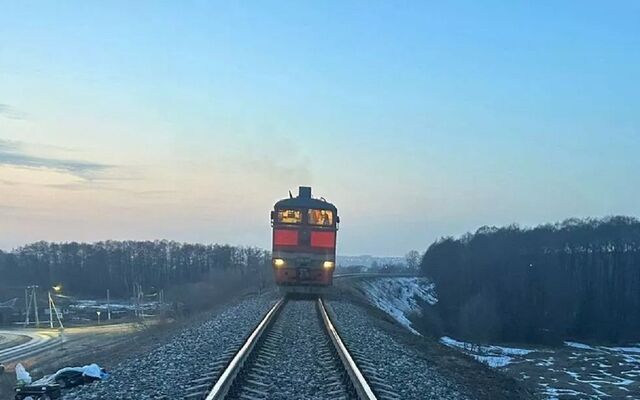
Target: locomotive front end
pixel 304 242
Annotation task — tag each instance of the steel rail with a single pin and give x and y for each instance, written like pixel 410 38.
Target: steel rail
pixel 223 384
pixel 357 378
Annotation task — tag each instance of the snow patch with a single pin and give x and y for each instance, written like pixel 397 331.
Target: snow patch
pixel 577 370
pixel 513 351
pixel 493 356
pixel 400 297
pixel 494 361
pixel 554 393
pixel 579 345
pixel 624 349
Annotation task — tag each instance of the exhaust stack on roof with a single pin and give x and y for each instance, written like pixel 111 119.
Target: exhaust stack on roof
pixel 304 192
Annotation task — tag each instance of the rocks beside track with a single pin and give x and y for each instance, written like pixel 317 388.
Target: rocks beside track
pixel 409 373
pixel 166 371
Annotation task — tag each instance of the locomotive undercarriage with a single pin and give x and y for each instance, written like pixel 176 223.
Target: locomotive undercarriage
pixel 303 273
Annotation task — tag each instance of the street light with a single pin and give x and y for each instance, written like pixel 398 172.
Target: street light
pixel 98 312
pixel 57 289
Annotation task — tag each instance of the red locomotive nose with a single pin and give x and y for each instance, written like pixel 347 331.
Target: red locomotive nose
pixel 285 237
pixel 323 239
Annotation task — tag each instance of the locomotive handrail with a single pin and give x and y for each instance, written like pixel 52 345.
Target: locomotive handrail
pixel 359 382
pixel 223 384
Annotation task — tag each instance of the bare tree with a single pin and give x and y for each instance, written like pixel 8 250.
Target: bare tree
pixel 413 259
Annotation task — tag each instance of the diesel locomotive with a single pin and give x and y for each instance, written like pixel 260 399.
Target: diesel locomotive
pixel 304 242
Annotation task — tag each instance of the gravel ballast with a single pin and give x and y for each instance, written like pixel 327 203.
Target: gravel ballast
pixel 410 375
pixel 296 361
pixel 166 371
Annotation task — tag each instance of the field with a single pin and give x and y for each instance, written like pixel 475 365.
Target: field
pixel 573 371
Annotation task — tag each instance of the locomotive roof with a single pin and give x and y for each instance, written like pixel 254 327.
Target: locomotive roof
pixel 304 200
pixel 305 203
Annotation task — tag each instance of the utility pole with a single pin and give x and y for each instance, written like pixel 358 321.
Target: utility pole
pixel 31 297
pixel 53 308
pixel 135 299
pixel 108 307
pixel 50 310
pixel 35 305
pixel 138 296
pixel 27 306
pixel 140 301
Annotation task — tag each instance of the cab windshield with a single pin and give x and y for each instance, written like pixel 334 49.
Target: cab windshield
pixel 289 216
pixel 320 217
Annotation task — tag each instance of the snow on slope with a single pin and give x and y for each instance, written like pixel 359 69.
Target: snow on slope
pixel 399 297
pixel 493 356
pixel 577 345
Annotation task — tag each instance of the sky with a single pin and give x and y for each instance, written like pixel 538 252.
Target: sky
pixel 188 120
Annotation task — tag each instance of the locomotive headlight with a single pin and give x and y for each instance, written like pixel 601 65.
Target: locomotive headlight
pixel 328 264
pixel 278 262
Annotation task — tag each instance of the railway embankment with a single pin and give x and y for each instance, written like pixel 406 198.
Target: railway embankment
pixel 417 366
pixel 568 370
pixel 390 356
pixel 166 370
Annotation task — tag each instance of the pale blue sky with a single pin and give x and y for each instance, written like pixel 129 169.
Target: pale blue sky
pixel 187 120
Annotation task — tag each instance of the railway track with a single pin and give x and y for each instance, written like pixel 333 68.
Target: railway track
pixel 294 352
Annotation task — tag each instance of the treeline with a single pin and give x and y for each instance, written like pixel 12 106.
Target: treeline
pixel 90 269
pixel 576 279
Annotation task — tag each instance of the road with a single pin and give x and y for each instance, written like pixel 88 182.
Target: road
pixel 39 340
